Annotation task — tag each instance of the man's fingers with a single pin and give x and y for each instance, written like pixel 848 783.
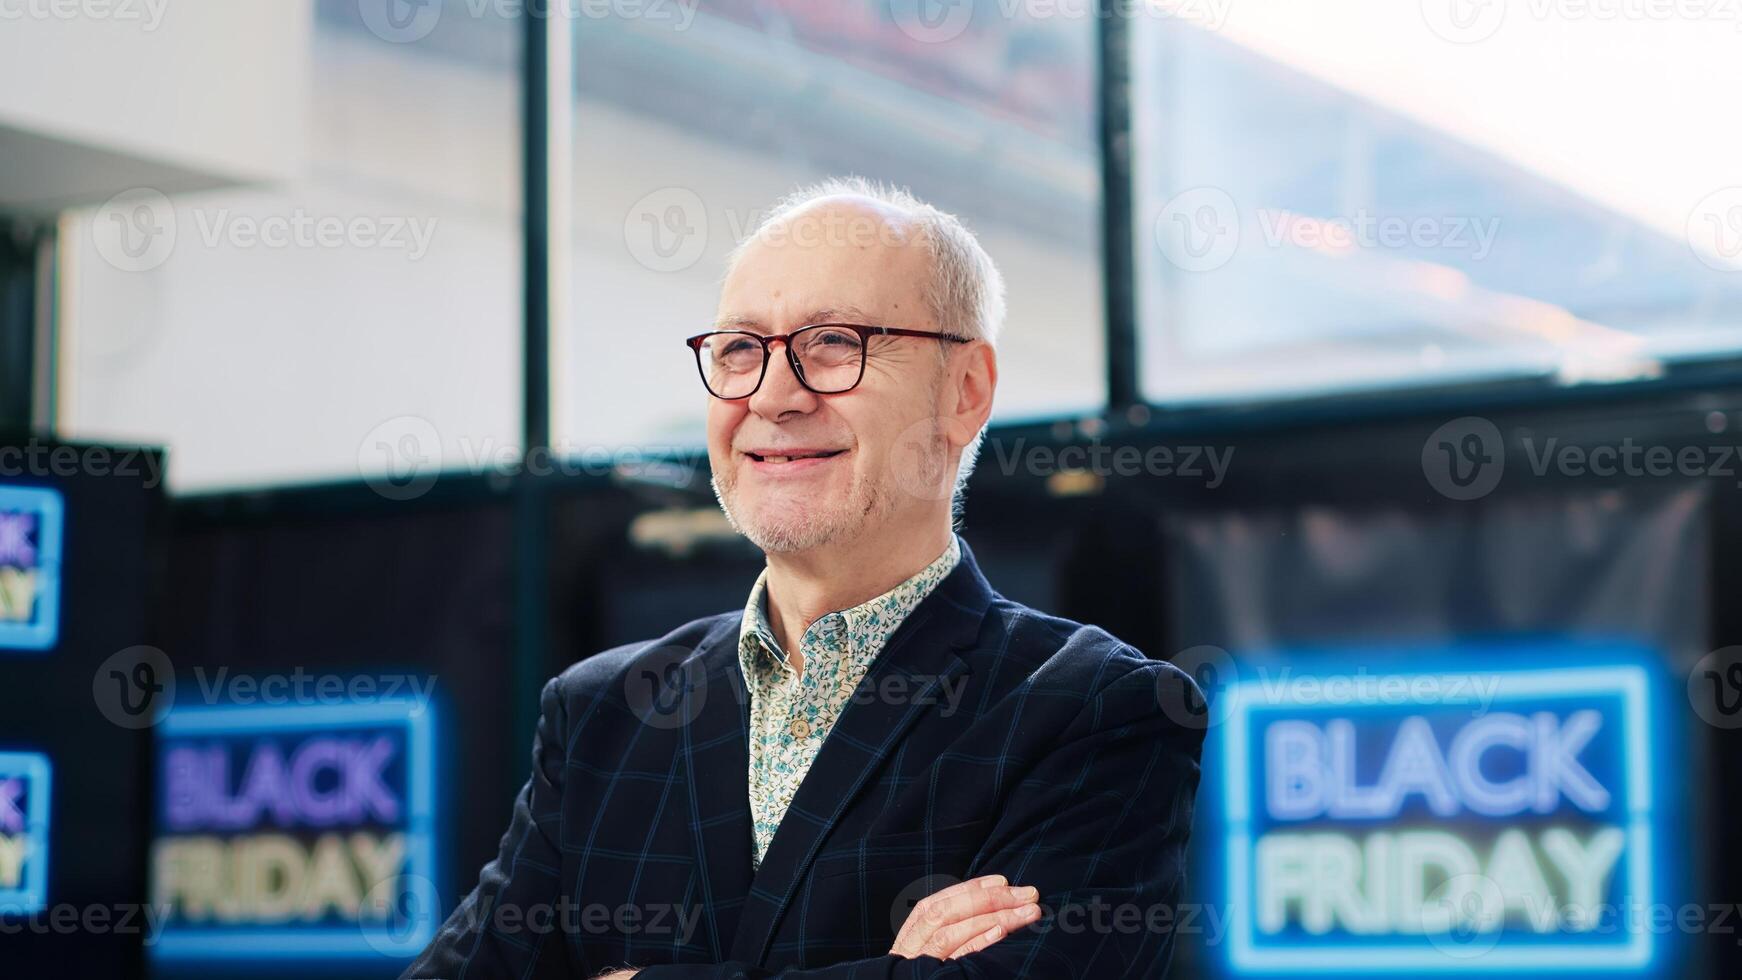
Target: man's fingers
pixel 957 915
pixel 977 933
pixel 978 943
pixel 945 908
pixel 972 884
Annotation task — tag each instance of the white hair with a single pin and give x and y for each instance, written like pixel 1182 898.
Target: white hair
pixel 966 293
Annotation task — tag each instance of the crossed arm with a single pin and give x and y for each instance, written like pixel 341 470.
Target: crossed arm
pixel 1097 835
pixel 961 919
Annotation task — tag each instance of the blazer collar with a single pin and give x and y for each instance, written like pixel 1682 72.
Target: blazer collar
pixel 863 738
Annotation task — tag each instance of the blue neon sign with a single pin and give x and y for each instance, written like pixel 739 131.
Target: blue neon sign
pixel 24 854
pixel 31 525
pixel 296 831
pixel 1464 821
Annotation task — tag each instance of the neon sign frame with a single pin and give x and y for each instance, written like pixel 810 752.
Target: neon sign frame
pixel 323 942
pixel 1238 763
pixel 43 630
pixel 32 893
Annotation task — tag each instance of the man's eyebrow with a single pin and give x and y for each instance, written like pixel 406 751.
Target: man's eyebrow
pixel 827 314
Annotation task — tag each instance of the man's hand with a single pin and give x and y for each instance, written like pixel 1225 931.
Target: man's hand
pixel 966 918
pixel 616 975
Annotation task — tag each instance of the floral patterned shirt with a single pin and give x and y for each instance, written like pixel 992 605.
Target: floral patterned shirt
pixel 791 712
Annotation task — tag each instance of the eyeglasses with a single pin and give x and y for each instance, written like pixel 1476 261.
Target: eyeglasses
pixel 827 358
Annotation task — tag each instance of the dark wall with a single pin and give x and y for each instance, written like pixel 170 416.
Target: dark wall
pixel 54 701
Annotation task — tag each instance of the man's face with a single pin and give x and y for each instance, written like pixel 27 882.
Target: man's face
pixel 832 262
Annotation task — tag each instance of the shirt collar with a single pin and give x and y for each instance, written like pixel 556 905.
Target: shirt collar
pixel 867 625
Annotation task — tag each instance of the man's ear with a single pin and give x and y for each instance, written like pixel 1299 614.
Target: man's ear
pixel 974 377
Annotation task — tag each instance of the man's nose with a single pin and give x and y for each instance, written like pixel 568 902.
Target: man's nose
pixel 781 391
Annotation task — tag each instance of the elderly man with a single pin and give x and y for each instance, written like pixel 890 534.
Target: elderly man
pixel 879 766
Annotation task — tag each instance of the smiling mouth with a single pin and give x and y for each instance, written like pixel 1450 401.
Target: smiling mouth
pixel 820 454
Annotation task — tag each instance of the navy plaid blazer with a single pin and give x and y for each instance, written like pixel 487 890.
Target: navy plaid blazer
pixel 987 738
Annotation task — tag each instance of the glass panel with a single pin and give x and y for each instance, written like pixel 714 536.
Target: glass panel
pixel 1375 194
pixel 692 120
pixel 355 311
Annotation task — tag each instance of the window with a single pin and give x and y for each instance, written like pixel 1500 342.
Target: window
pixel 1375 194
pixel 691 122
pixel 340 297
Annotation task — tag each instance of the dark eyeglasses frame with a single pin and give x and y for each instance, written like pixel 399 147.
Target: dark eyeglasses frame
pixel 767 340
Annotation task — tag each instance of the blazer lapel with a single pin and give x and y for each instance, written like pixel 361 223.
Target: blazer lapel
pixel 924 650
pixel 716 760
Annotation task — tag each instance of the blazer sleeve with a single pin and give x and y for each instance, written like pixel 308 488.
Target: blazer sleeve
pixel 478 942
pixel 1099 825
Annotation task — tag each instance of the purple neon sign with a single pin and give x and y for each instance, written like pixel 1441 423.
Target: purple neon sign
pixel 323 781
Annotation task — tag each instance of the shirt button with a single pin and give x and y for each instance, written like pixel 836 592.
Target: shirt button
pixel 800 728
